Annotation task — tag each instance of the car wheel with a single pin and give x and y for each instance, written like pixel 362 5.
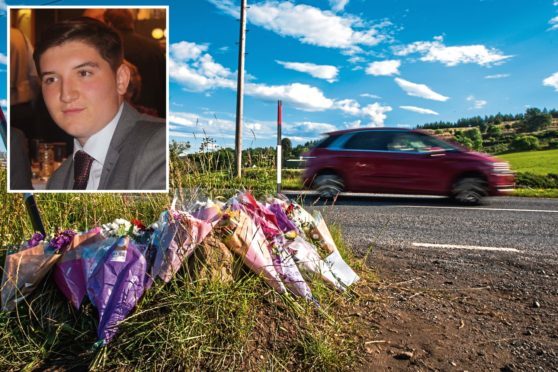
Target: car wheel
pixel 328 185
pixel 469 191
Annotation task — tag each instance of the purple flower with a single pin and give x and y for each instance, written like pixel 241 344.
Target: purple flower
pixel 61 240
pixel 35 240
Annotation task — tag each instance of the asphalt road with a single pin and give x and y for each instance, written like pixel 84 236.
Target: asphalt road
pixel 523 225
pixel 483 278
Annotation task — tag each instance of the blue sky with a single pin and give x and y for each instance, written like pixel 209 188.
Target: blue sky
pixel 338 64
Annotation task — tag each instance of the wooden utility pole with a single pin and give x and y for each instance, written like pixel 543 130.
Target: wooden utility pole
pixel 240 89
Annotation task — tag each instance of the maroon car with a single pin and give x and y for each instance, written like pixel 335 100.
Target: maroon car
pixel 403 161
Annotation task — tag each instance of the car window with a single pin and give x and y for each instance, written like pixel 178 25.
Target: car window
pixel 416 142
pixel 325 142
pixel 370 140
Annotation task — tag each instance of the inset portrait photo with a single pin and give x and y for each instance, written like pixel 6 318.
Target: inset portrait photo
pixel 88 99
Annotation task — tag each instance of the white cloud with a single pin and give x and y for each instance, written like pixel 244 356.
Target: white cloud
pixel 200 78
pixel 497 76
pixel 353 124
pixel 186 51
pixel 552 81
pixel 368 95
pixel 377 113
pixel 194 128
pixel 186 121
pixel 2 5
pixel 349 106
pixel 553 23
pixel 3 59
pixel 310 127
pixel 196 70
pixel 3 102
pixel 477 103
pixel 480 103
pixel 308 24
pixel 302 96
pixel 355 59
pixel 325 72
pixel 338 5
pixel 227 7
pixel 419 90
pixel 178 120
pixel 436 51
pixel 384 68
pixel 419 110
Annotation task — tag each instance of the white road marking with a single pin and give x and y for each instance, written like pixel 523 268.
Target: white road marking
pixel 403 196
pixel 479 208
pixel 471 247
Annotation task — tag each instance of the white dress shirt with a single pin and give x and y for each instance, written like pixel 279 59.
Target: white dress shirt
pixel 97 147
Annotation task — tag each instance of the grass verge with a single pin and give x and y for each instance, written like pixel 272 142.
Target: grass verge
pixel 186 324
pixel 536 193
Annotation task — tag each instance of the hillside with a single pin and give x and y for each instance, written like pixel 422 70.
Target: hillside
pixel 502 138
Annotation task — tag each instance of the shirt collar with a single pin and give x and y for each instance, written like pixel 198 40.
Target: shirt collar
pixel 97 145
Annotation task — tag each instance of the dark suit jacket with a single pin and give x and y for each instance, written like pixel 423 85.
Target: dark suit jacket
pixel 20 167
pixel 136 158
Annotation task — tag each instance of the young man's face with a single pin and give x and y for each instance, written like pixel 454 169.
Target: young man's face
pixel 80 89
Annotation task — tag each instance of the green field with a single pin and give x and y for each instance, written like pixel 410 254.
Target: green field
pixel 537 162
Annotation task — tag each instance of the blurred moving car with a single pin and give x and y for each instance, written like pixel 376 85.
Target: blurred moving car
pixel 403 161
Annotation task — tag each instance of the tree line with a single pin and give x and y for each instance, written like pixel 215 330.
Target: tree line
pixel 543 115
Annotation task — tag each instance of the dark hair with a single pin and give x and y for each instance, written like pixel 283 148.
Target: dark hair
pixel 121 19
pixel 87 30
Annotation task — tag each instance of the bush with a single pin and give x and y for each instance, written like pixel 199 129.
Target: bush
pixel 553 143
pixel 494 131
pixel 464 141
pixel 525 143
pixel 475 136
pixel 536 181
pixel 497 148
pixel 550 134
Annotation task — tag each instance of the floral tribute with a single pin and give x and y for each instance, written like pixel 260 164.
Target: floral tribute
pixel 114 264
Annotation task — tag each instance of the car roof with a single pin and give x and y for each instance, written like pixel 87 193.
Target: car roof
pixel 372 129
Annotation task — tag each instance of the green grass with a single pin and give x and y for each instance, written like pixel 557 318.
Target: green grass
pixel 537 162
pixel 186 324
pixel 536 193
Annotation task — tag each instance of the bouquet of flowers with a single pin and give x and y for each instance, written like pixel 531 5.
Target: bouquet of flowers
pixel 315 228
pixel 25 269
pixel 116 285
pixel 282 259
pixel 179 234
pixel 243 237
pixel 68 273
